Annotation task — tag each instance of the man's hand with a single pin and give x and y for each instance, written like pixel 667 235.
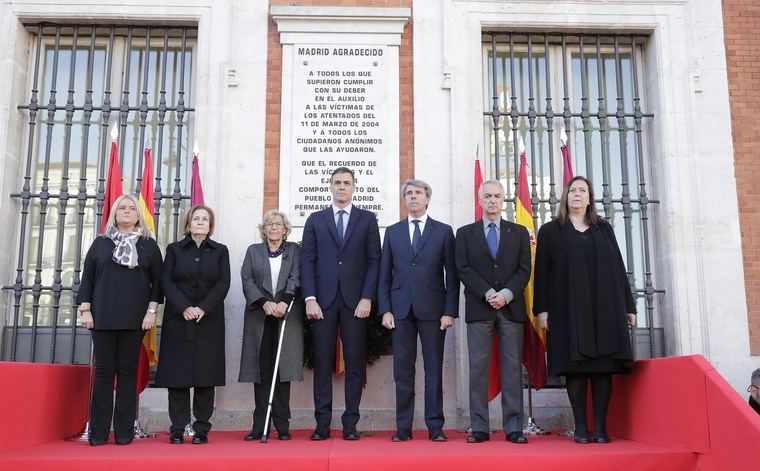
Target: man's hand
pixel 446 322
pixel 362 309
pixel 388 321
pixel 280 309
pixel 313 311
pixel 497 301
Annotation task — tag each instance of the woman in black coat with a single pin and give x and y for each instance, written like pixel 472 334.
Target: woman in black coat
pixel 196 278
pixel 583 299
pixel 118 296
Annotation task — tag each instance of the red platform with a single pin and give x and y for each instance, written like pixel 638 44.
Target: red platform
pixel 669 414
pixel 229 452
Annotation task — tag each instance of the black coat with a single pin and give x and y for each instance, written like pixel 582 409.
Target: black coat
pixel 582 329
pixel 479 272
pixel 192 353
pixel 119 295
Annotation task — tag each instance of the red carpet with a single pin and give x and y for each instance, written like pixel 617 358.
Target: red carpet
pixel 227 451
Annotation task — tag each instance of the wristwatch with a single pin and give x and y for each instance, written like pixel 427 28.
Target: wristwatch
pixel 151 311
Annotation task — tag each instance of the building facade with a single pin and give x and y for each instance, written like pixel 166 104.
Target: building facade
pixel 652 99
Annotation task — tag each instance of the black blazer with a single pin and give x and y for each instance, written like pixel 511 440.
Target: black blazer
pixel 325 263
pixel 479 272
pixel 120 295
pixel 416 281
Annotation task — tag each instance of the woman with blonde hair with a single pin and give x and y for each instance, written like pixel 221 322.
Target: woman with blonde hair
pixel 270 282
pixel 118 296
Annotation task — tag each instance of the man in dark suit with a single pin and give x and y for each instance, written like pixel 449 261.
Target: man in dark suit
pixel 340 258
pixel 418 293
pixel 493 262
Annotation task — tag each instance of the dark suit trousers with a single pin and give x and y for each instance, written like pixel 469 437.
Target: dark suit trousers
pixel 404 359
pixel 353 334
pixel 281 399
pixel 479 346
pixel 179 408
pixel 116 355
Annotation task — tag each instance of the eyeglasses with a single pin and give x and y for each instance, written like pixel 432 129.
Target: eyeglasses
pixel 752 388
pixel 274 224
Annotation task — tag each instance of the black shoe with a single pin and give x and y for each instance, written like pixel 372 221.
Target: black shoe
pixel 320 434
pixel 437 435
pixel 601 438
pixel 124 441
pixel 516 437
pixel 176 438
pixel 254 434
pixel 402 435
pixel 96 442
pixel 581 439
pixel 200 438
pixel 478 437
pixel 284 435
pixel 350 433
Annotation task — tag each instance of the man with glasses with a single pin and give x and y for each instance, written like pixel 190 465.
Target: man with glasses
pixel 754 391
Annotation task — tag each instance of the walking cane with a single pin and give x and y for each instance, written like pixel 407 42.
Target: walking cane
pixel 265 436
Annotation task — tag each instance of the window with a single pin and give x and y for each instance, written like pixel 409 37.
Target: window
pixel 83 79
pixel 540 88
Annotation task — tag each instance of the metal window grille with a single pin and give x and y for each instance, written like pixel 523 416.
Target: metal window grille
pixel 588 85
pixel 83 79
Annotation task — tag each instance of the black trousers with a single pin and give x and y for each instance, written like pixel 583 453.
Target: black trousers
pixel 179 408
pixel 404 359
pixel 353 334
pixel 281 399
pixel 116 355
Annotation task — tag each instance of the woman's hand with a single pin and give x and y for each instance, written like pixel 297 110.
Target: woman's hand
pixel 149 320
pixel 543 320
pixel 631 319
pixel 270 308
pixel 189 314
pixel 85 318
pixel 199 313
pixel 280 309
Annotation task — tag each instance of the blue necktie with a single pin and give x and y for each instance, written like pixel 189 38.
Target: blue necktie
pixel 340 226
pixel 492 240
pixel 416 235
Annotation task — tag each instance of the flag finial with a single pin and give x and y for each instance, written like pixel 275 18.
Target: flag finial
pixel 114 132
pixel 196 149
pixel 521 144
pixel 563 136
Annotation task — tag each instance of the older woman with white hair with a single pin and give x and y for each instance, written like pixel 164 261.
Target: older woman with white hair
pixel 117 299
pixel 271 280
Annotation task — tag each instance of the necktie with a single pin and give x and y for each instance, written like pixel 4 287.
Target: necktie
pixel 491 239
pixel 340 226
pixel 416 235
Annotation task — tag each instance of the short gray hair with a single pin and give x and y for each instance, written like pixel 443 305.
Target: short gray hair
pixel 756 376
pixel 492 181
pixel 418 184
pixel 268 217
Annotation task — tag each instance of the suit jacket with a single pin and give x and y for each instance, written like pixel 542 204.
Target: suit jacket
pixel 426 281
pixel 325 263
pixel 256 275
pixel 479 271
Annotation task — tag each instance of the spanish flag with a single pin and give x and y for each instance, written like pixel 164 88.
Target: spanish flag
pixel 534 337
pixel 149 350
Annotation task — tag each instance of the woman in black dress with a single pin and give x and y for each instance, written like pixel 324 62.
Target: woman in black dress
pixel 196 278
pixel 118 296
pixel 583 299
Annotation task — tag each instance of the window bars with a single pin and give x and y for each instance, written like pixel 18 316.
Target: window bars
pixel 136 76
pixel 600 111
